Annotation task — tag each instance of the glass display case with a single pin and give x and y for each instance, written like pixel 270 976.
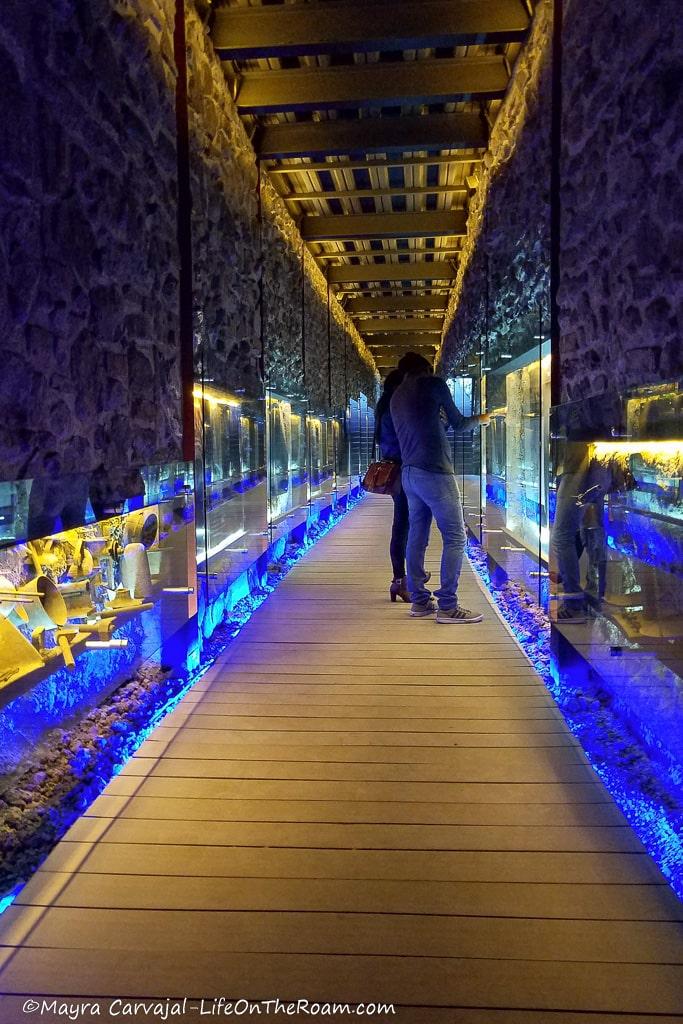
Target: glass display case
pixel 82 606
pixel 322 444
pixel 230 433
pixel 503 470
pixel 288 475
pixel 525 436
pixel 359 440
pixel 617 605
pixel 102 574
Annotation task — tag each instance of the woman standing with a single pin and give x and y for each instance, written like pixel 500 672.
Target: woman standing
pixel 385 438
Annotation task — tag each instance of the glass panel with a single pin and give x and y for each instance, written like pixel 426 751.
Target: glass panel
pixel 32 509
pixel 322 461
pixel 503 468
pixel 81 608
pixel 288 482
pixel 617 575
pixel 231 461
pixel 347 453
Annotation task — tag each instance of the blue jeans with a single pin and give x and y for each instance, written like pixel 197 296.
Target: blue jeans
pixel 563 538
pixel 433 495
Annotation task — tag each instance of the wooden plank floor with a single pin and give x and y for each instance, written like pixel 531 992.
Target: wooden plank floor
pixel 353 805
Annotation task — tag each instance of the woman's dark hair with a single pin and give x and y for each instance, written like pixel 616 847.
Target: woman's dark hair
pixel 391 382
pixel 413 364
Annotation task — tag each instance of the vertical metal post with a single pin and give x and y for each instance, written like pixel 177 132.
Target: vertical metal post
pixel 329 338
pixel 184 228
pixel 329 376
pixel 263 360
pixel 307 425
pixel 303 315
pixel 540 449
pixel 462 446
pixel 261 298
pixel 555 199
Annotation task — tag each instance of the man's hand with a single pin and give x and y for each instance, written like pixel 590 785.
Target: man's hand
pixel 484 419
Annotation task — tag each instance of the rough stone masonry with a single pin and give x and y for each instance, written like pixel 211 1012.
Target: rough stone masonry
pixel 88 244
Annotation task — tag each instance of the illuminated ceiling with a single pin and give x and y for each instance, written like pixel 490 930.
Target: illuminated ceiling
pixel 371 118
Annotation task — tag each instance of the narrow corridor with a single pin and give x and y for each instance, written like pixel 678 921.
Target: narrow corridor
pixel 354 806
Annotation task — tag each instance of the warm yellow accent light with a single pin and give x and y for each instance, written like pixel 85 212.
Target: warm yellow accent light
pixel 216 398
pixel 665 456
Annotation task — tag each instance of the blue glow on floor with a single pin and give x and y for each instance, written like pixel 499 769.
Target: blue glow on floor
pixel 640 787
pixel 8 900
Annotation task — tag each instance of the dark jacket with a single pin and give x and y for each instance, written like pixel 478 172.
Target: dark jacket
pixel 419 407
pixel 385 434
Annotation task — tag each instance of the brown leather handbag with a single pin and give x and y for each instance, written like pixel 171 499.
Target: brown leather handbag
pixel 383 477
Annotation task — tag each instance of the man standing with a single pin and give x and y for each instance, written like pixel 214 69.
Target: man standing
pixel 421 409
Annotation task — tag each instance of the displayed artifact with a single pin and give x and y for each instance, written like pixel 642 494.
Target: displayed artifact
pixel 11 601
pixel 135 572
pixel 78 598
pixel 142 528
pixel 47 608
pixel 96 545
pixel 83 563
pixel 64 593
pixel 19 656
pixel 123 602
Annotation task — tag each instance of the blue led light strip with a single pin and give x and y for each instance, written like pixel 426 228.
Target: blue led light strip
pixel 8 900
pixel 638 786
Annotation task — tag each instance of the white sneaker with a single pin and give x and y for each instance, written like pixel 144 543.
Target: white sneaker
pixel 457 614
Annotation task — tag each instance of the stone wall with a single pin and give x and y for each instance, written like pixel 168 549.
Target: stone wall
pixel 88 242
pixel 621 302
pixel 507 251
pixel 620 297
pixel 233 246
pixel 88 250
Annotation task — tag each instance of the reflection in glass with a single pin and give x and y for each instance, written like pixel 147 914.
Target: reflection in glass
pixel 624 648
pixel 524 437
pixel 288 459
pixel 81 606
pixel 231 520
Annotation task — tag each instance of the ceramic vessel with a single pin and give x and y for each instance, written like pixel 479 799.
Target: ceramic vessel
pixel 135 572
pixel 48 608
pixel 142 528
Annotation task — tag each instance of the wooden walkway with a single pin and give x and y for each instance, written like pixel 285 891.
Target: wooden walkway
pixel 360 807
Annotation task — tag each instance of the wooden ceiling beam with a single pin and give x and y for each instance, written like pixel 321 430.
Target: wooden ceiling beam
pixel 396 325
pixel 396 304
pixel 369 162
pixel 417 271
pixel 403 341
pixel 361 86
pixel 394 352
pixel 448 223
pixel 441 253
pixel 343 26
pixel 370 135
pixel 377 193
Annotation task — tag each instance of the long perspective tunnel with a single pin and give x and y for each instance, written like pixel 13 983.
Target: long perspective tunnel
pixel 327 325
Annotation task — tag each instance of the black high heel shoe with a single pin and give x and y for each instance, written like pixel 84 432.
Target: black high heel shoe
pixel 399 588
